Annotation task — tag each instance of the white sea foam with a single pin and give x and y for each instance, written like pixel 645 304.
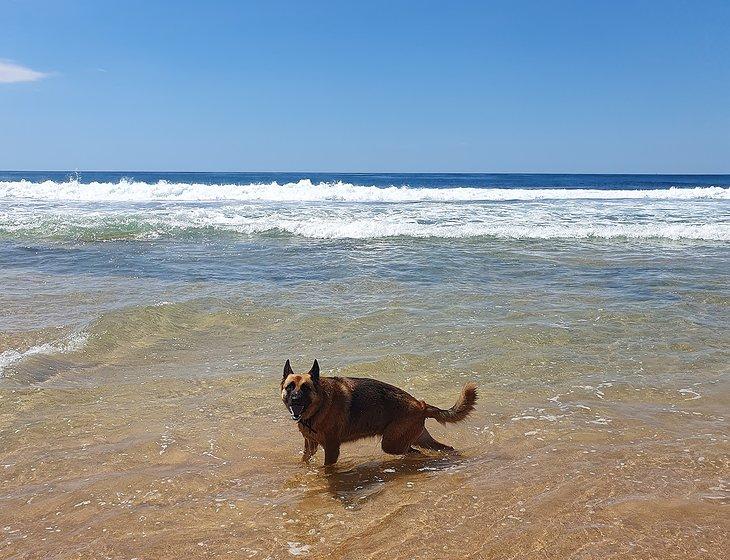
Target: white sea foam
pixel 561 220
pixel 72 343
pixel 370 230
pixel 306 191
pixel 298 549
pixel 134 210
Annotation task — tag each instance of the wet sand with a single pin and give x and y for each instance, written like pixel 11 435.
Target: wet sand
pixel 209 467
pixel 140 413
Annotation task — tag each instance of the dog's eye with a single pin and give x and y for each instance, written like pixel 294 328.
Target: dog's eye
pixel 290 387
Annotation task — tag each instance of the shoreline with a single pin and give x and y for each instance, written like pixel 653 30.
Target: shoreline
pixel 140 412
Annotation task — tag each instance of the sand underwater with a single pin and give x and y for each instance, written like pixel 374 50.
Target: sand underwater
pixel 140 362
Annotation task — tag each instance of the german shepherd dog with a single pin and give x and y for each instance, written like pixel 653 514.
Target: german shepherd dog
pixel 330 411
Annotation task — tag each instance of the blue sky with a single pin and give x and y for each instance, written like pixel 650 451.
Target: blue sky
pixel 513 86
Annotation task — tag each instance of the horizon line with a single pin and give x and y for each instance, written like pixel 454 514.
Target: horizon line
pixel 359 172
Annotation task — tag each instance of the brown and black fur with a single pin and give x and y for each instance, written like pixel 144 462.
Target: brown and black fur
pixel 333 410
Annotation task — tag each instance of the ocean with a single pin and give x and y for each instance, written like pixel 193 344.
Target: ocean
pixel 143 206
pixel 146 318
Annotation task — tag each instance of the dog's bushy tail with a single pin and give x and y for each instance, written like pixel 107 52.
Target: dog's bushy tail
pixel 459 411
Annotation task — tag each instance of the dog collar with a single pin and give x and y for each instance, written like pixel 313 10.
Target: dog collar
pixel 307 425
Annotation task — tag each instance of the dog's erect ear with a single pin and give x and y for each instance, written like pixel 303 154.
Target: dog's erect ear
pixel 287 369
pixel 314 372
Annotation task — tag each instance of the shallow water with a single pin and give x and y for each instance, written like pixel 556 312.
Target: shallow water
pixel 139 412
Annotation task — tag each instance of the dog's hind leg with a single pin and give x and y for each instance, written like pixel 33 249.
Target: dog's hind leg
pixel 399 435
pixel 426 441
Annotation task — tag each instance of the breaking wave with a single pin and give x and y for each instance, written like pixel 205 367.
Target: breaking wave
pixel 72 343
pixel 528 225
pixel 127 190
pixel 129 209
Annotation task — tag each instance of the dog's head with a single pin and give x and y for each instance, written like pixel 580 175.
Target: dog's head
pixel 299 391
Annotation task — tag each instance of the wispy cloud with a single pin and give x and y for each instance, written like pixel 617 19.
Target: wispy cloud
pixel 11 73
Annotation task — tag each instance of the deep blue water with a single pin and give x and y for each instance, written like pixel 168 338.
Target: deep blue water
pixel 432 180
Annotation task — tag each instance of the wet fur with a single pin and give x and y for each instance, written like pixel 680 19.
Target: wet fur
pixel 341 409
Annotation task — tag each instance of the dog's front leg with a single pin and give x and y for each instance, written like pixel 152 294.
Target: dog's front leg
pixel 331 452
pixel 310 448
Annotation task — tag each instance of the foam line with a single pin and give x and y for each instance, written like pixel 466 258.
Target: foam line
pixel 72 343
pixel 306 191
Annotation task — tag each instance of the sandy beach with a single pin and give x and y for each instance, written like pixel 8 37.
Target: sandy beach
pixel 208 467
pixel 140 414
